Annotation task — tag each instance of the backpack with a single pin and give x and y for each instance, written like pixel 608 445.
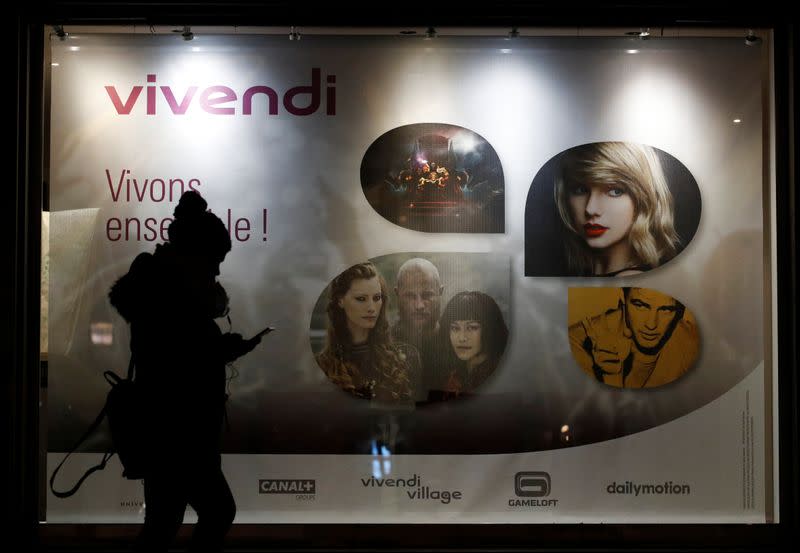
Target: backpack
pixel 122 407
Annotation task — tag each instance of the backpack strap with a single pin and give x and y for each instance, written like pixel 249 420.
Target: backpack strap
pixel 113 379
pixel 99 466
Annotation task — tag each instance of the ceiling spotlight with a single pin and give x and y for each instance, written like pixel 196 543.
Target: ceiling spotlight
pixel 751 39
pixel 513 33
pixel 293 34
pixel 430 33
pixel 186 33
pixel 60 33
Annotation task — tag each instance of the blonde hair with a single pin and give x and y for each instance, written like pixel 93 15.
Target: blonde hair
pixel 636 167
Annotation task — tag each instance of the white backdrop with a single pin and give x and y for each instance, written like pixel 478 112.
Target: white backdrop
pixel 530 99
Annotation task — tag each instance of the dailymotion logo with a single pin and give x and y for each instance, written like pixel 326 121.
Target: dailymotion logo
pixel 636 489
pixel 534 486
pixel 287 486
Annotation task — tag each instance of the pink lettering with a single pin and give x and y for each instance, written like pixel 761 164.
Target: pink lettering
pixel 156 187
pixel 243 226
pixel 298 100
pixel 313 105
pixel 114 226
pixel 140 195
pixel 151 96
pixel 208 103
pixel 124 109
pixel 331 95
pixel 247 99
pixel 178 109
pixel 115 193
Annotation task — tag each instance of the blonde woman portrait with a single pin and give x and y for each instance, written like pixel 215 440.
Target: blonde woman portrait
pixel 615 213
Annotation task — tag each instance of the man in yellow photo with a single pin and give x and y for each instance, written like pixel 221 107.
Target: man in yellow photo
pixel 648 340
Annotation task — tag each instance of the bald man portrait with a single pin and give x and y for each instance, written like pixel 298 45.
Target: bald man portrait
pixel 419 296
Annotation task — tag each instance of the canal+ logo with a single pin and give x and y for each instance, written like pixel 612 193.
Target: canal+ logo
pixel 287 486
pixel 532 490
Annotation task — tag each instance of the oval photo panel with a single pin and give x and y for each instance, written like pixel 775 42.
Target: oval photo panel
pixel 609 209
pixel 631 337
pixel 414 327
pixel 435 177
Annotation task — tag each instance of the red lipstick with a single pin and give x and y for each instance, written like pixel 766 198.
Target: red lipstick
pixel 592 230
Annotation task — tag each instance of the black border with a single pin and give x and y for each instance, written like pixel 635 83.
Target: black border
pixel 22 221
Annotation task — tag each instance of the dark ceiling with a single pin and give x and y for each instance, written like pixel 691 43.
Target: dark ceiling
pixel 405 13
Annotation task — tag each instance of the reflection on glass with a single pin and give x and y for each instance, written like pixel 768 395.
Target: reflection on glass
pixel 381 460
pixel 101 333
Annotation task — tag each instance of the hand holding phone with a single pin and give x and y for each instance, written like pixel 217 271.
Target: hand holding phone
pixel 263 332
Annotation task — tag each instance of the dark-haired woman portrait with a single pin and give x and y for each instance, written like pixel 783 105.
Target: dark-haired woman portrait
pixel 359 355
pixel 472 337
pixel 171 298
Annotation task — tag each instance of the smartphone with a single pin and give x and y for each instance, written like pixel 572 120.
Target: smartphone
pixel 264 332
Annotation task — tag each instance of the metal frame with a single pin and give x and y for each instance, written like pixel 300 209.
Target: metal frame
pixel 22 218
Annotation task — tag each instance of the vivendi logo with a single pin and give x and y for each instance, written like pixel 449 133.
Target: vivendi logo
pixel 223 100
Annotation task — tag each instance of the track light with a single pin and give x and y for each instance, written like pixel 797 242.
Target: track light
pixel 751 39
pixel 186 33
pixel 60 33
pixel 294 34
pixel 643 33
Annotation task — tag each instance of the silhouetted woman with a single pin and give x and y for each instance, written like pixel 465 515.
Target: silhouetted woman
pixel 171 298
